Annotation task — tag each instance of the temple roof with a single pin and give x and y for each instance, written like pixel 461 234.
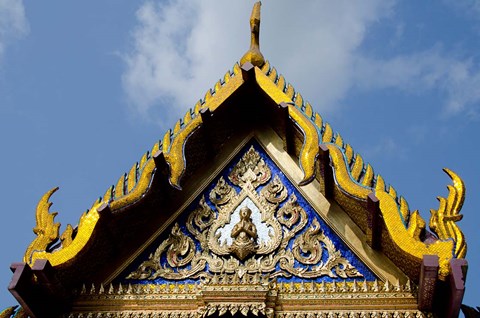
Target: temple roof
pixel 251 96
pixel 354 179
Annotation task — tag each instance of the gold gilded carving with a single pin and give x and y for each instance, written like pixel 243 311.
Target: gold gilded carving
pixel 251 168
pixel 307 249
pixel 230 240
pixel 175 156
pixel 405 242
pixel 13 312
pixel 222 193
pixel 289 214
pixel 249 173
pixel 309 244
pixel 354 184
pixel 416 225
pixel 179 251
pixel 244 234
pixel 201 218
pixel 8 312
pixel 118 198
pixel 275 192
pixel 46 229
pixel 67 236
pixel 243 308
pixel 443 220
pixel 180 248
pixel 254 55
pixel 309 151
pixel 251 294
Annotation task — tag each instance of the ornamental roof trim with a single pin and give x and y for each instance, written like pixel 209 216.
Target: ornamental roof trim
pixel 353 177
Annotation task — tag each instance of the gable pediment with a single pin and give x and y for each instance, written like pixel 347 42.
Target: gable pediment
pixel 251 241
pixel 253 218
pixel 250 204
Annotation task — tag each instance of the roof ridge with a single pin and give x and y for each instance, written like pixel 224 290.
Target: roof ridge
pixel 360 173
pixel 363 175
pixel 354 178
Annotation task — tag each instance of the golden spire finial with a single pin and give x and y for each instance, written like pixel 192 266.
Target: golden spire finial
pixel 254 55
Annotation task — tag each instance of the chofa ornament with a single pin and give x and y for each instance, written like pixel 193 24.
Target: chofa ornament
pixel 258 230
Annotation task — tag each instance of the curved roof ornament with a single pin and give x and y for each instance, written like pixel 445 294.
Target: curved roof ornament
pixel 254 55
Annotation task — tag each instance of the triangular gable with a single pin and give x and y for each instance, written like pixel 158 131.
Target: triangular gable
pixel 291 240
pixel 336 219
pixel 243 94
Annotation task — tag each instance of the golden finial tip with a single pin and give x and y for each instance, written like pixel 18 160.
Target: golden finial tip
pixel 254 55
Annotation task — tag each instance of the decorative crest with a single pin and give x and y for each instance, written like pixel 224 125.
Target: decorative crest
pixel 254 55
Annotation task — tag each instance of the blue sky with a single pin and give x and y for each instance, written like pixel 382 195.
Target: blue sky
pixel 87 87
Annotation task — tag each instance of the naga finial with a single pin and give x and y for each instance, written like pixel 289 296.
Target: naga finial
pixel 443 221
pixel 46 229
pixel 254 55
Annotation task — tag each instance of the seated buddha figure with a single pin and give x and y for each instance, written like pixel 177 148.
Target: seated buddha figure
pixel 244 234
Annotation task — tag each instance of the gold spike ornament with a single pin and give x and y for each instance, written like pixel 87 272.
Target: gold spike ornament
pixel 443 220
pixel 254 55
pixel 46 229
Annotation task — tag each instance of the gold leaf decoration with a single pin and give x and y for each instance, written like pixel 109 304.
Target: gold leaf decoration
pixel 46 229
pixel 251 166
pixel 327 133
pixel 8 312
pixel 299 101
pixel 289 91
pixel 217 87
pixel 266 67
pixel 309 244
pixel 318 121
pixel 177 127
pixel 108 194
pixel 273 74
pixel 166 141
pixel 187 117
pixel 308 109
pixel 120 187
pixel 349 153
pixel 132 178
pixel 357 167
pixel 443 220
pixel 245 252
pixel 281 83
pixel 404 209
pixel 368 176
pixel 416 225
pixel 67 236
pixel 380 184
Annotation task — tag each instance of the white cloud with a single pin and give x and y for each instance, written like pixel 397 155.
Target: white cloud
pixel 457 79
pixel 181 48
pixel 13 23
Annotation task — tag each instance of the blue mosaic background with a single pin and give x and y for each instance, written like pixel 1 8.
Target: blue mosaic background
pixel 311 214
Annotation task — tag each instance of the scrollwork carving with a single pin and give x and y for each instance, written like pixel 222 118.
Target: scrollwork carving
pixel 307 248
pixel 255 230
pixel 275 192
pixel 202 218
pixel 251 167
pixel 179 251
pixel 222 193
pixel 289 214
